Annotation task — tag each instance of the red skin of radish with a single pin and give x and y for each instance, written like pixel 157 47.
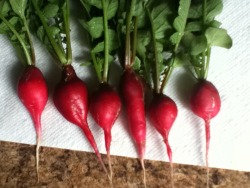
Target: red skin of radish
pixel 33 92
pixel 71 99
pixel 205 100
pixel 105 106
pixel 205 103
pixel 133 94
pixel 162 113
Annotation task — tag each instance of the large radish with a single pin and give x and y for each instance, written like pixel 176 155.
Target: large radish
pixel 132 88
pixel 33 92
pixel 71 99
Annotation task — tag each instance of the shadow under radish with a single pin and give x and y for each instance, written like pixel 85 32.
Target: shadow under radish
pixel 80 36
pixel 15 73
pixel 53 76
pixel 184 86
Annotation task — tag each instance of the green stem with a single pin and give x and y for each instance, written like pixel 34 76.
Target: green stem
pixel 60 43
pixel 127 47
pixel 167 74
pixel 19 38
pixel 204 12
pixel 208 61
pixel 134 40
pixel 203 64
pixel 67 30
pixel 98 73
pixel 106 42
pixel 30 42
pixel 157 74
pixel 60 54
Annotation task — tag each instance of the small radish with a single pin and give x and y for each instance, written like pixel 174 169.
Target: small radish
pixel 163 110
pixel 205 103
pixel 162 113
pixel 33 92
pixel 131 83
pixel 105 103
pixel 105 106
pixel 71 99
pixel 205 100
pixel 132 88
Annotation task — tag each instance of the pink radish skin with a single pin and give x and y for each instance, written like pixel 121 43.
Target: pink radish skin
pixel 33 92
pixel 205 103
pixel 105 106
pixel 162 113
pixel 133 94
pixel 71 99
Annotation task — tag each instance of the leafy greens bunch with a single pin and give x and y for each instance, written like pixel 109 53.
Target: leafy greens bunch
pixel 14 16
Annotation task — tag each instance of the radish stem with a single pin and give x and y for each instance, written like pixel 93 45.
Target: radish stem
pixel 127 47
pixel 207 127
pixel 107 135
pixel 169 151
pixel 106 42
pixel 38 141
pixel 110 168
pixel 134 40
pixel 156 61
pixel 67 31
pixel 37 122
pixel 60 54
pixel 25 49
pixel 144 172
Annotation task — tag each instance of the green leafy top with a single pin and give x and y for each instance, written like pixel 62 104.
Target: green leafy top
pixel 179 25
pixel 103 36
pixel 134 37
pixel 144 29
pixel 14 21
pixel 160 15
pixel 202 33
pixel 180 22
pixel 51 25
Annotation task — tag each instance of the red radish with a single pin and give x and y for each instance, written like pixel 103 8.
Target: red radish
pixel 33 92
pixel 133 94
pixel 205 103
pixel 71 99
pixel 162 113
pixel 105 106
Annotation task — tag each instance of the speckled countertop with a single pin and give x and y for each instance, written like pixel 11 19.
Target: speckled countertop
pixel 67 168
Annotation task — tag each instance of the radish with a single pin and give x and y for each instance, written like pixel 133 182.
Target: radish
pixel 33 92
pixel 132 88
pixel 32 88
pixel 205 100
pixel 105 103
pixel 162 109
pixel 131 83
pixel 205 103
pixel 71 99
pixel 162 113
pixel 70 96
